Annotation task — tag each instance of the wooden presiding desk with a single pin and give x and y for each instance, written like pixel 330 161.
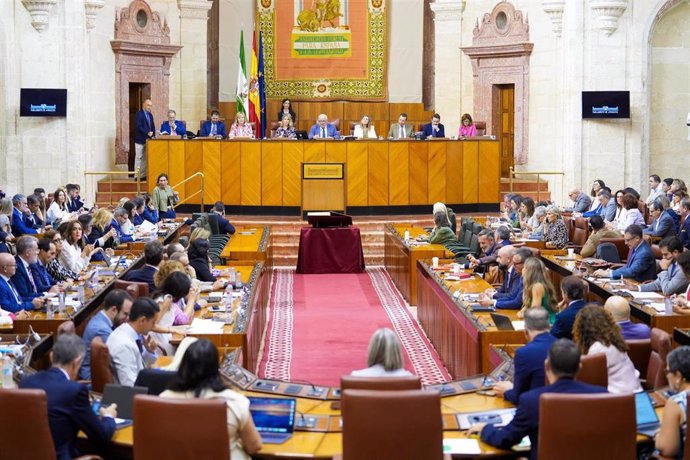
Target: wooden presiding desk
pixel 248 245
pixel 400 257
pixel 383 173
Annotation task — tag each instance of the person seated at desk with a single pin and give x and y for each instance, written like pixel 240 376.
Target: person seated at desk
pixel 26 284
pixel 537 289
pixel 441 234
pixel 606 207
pixel 512 211
pixel 33 217
pixel 401 130
pixel 241 128
pixel 641 265
pixel 286 109
pixel 561 367
pixel 172 127
pixel 435 128
pixel 10 300
pixel 489 247
pixel 440 207
pixel 199 377
pixel 322 129
pixel 224 226
pixel 595 332
pixel 504 259
pixel 176 299
pixel 69 409
pixel 573 294
pixel 121 222
pixel 213 128
pixel 631 214
pixel 529 360
pixel 599 231
pixel 537 232
pixel 527 219
pixel 153 256
pixel 74 202
pixel 513 299
pixel 581 202
pixel 364 129
pixel 19 227
pixel 467 127
pixel 384 357
pixel 555 230
pixel 620 311
pixel 663 224
pixel 47 252
pixel 670 439
pixel 75 254
pixel 286 129
pixel 671 279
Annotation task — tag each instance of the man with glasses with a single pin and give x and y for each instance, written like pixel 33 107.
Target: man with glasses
pixel 581 201
pixel 116 307
pixel 663 225
pixel 9 296
pixel 671 278
pixel 641 264
pixel 322 129
pixel 24 281
pixel 173 127
pixel 19 227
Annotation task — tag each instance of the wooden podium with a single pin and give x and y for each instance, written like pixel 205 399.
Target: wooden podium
pixel 323 187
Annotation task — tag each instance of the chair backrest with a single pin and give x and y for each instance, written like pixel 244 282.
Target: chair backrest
pixel 392 425
pixel 475 249
pixel 134 288
pixel 481 127
pixel 24 429
pixel 212 218
pixel 642 206
pixel 101 366
pixel 335 122
pixel 155 380
pixel 580 231
pixel 594 370
pixel 592 435
pixel 661 346
pixel 349 382
pixel 476 228
pixel 608 252
pixel 205 432
pixel 569 224
pixel 639 352
pixel 620 246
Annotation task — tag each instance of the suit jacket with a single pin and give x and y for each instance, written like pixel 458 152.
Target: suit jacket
pixel 144 124
pixel 662 227
pixel 121 236
pixel 526 420
pixel 634 331
pixel 206 129
pixel 529 366
pixel 142 275
pixel 610 210
pixel 74 204
pixel 69 411
pixel 22 283
pixel 563 326
pixel 428 130
pixel 200 266
pixel 19 228
pixel 582 203
pixel 513 301
pixel 150 215
pixel 641 265
pixel 99 326
pixel 96 234
pixel 9 302
pixel 42 278
pixel 31 220
pixel 330 131
pixel 684 233
pixel 180 129
pixel 508 285
pixel 224 225
pixel 669 281
pixel 394 131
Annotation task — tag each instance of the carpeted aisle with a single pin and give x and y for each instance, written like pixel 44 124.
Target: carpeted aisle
pixel 320 327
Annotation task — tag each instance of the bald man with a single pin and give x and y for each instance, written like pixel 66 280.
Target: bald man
pixel 322 129
pixel 10 299
pixel 620 310
pixel 145 129
pixel 581 202
pixel 505 263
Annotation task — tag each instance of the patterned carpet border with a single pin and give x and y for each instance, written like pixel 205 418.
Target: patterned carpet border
pixel 419 349
pixel 278 349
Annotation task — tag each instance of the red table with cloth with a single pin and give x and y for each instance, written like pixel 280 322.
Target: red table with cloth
pixel 330 250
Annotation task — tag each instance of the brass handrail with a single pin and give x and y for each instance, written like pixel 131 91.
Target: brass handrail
pixel 110 175
pixel 538 173
pixel 201 191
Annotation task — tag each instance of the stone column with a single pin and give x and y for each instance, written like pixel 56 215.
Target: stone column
pixel 193 78
pixel 447 66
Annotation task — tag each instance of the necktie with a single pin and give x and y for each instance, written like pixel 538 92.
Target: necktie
pixel 148 120
pixel 213 129
pixel 14 291
pixel 323 133
pixel 510 272
pixel 402 132
pixel 44 274
pixel 31 278
pixel 140 345
pixel 671 270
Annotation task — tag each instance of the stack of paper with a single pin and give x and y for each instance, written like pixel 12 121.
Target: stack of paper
pixel 205 326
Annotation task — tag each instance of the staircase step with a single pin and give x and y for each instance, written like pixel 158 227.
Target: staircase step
pixel 121 185
pixel 524 185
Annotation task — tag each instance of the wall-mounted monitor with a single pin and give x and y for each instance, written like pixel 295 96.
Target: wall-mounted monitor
pixel 606 104
pixel 43 102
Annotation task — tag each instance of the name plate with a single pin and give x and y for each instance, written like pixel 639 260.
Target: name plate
pixel 323 170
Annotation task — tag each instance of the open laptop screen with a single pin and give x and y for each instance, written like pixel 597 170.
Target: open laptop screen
pixel 273 415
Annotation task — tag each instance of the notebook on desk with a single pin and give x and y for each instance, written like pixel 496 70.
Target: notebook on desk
pixel 647 420
pixel 274 418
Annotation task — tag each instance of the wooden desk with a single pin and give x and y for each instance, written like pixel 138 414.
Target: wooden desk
pixel 248 245
pixel 461 338
pixel 400 258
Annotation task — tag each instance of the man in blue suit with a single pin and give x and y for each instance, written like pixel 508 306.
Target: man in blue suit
pixel 173 127
pixel 435 128
pixel 529 360
pixel 31 219
pixel 145 128
pixel 153 255
pixel 663 224
pixel 74 201
pixel 513 299
pixel 213 128
pixel 505 263
pixel 69 409
pixel 561 366
pixel 46 254
pixel 223 224
pixel 641 264
pixel 573 293
pixel 10 299
pixel 116 307
pixel 20 228
pixel 24 281
pixel 322 129
pixel 120 217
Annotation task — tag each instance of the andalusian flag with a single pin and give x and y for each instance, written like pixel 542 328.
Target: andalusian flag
pixel 254 98
pixel 242 87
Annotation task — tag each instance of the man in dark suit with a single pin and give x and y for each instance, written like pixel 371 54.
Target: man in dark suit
pixel 684 232
pixel 19 228
pixel 505 262
pixel 223 224
pixel 69 409
pixel 153 255
pixel 663 224
pixel 31 218
pixel 10 300
pixel 513 301
pixel 213 128
pixel 46 254
pixel 435 128
pixel 74 201
pixel 322 129
pixel 145 130
pixel 173 127
pixel 24 281
pixel 529 360
pixel 573 293
pixel 561 366
pixel 641 264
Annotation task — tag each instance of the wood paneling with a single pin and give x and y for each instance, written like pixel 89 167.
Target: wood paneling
pixel 210 168
pixel 157 155
pixel 315 152
pixel 357 172
pixel 419 159
pixel 470 171
pixel 292 173
pixel 231 168
pixel 176 166
pixel 489 169
pixel 454 182
pixel 193 163
pixel 378 174
pixel 251 173
pixel 336 152
pixel 437 172
pixel 272 174
pixel 399 173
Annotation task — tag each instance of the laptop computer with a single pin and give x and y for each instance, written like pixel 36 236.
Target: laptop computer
pixel 123 396
pixel 274 418
pixel 647 420
pixel 502 322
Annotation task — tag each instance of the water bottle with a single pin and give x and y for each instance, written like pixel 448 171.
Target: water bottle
pixel 231 277
pixel 80 293
pixel 668 306
pixel 228 294
pixel 95 280
pixel 407 236
pixel 7 380
pixel 61 301
pixel 238 280
pixel 50 312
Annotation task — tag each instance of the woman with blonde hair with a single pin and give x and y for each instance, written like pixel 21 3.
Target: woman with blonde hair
pixel 199 233
pixel 98 236
pixel 538 290
pixel 384 357
pixel 450 215
pixel 286 128
pixel 164 269
pixel 6 210
pixel 240 128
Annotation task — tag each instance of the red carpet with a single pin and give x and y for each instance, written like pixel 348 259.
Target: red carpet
pixel 320 327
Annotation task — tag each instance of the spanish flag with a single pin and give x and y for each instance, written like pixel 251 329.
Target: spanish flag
pixel 254 96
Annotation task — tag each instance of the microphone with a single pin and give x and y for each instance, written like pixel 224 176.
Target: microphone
pixel 315 391
pixel 305 422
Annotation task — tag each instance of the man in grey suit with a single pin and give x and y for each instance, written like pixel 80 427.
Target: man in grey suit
pixel 581 202
pixel 401 129
pixel 671 279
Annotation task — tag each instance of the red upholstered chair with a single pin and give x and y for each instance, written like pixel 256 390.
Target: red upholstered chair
pixel 205 428
pixel 661 347
pixel 336 122
pixel 594 370
pixel 580 231
pixel 349 382
pixel 601 418
pixel 134 288
pixel 101 366
pixel 388 425
pixel 639 352
pixel 481 128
